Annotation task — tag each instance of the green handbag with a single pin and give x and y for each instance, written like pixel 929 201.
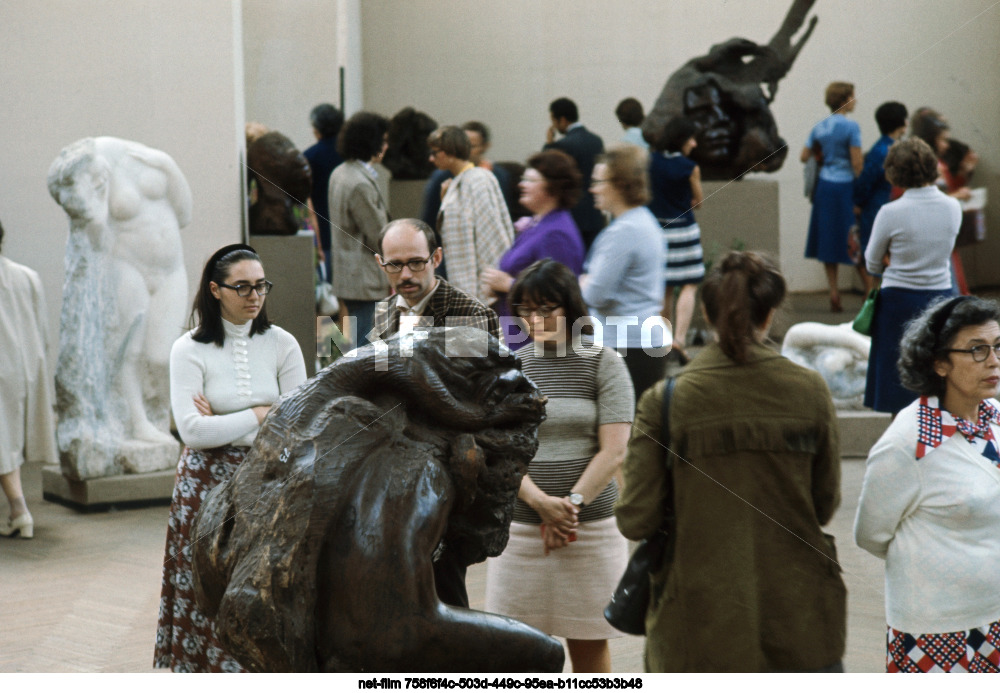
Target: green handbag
pixel 863 320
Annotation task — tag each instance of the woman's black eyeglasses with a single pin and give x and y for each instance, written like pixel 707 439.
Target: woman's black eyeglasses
pixel 243 290
pixel 544 311
pixel 980 352
pixel 414 265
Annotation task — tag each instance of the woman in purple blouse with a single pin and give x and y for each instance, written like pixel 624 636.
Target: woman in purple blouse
pixel 549 188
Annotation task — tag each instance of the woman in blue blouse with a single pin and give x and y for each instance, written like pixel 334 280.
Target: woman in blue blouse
pixel 836 143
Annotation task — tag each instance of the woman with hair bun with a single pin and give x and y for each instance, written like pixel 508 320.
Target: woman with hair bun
pixel 930 499
pixel 836 143
pixel 751 469
pixel 224 376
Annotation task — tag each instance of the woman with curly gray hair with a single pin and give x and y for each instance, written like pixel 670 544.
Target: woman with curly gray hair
pixel 930 500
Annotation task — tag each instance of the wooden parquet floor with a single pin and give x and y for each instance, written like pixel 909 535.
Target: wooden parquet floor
pixel 82 595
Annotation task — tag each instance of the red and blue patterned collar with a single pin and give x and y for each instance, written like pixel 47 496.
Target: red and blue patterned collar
pixel 935 425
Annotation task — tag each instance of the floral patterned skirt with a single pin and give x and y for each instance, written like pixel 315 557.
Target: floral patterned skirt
pixel 976 650
pixel 185 637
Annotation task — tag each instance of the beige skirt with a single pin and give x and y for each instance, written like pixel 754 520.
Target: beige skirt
pixel 564 593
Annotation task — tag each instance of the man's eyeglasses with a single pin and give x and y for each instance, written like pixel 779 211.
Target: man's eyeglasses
pixel 243 290
pixel 544 311
pixel 980 352
pixel 414 265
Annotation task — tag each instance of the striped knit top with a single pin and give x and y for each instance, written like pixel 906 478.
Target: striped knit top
pixel 586 388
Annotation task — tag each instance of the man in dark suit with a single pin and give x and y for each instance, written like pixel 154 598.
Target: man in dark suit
pixel 584 146
pixel 424 300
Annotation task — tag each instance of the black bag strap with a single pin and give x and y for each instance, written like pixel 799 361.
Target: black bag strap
pixel 669 526
pixel 668 393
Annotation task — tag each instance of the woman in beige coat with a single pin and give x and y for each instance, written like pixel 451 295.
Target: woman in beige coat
pixel 754 584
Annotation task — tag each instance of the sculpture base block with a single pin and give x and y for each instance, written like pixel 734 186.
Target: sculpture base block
pixel 95 495
pixel 860 430
pixel 743 214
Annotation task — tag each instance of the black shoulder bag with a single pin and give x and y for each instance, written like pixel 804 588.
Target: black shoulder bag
pixel 628 606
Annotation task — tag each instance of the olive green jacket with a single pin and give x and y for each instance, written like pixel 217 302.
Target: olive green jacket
pixel 754 584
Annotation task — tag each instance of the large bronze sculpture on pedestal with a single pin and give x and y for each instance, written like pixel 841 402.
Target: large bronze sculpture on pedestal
pixel 317 555
pixel 722 93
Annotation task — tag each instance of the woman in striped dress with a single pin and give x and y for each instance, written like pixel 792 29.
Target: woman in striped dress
pixel 565 553
pixel 675 182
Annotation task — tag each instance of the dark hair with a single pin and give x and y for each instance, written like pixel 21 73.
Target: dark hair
pixel 562 178
pixel 1 236
pixel 362 136
pixel 451 140
pixel 564 108
pixel 928 124
pixel 418 224
pixel 628 173
pixel 911 163
pixel 838 94
pixel 548 281
pixel 930 333
pixel 476 126
pixel 954 155
pixel 890 116
pixel 206 313
pixel 676 132
pixel 629 112
pixel 739 293
pixel 327 119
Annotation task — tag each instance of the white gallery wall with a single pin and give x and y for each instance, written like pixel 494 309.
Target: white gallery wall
pixel 291 63
pixel 503 61
pixel 167 73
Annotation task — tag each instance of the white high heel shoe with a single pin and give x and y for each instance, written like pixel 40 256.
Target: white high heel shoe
pixel 23 523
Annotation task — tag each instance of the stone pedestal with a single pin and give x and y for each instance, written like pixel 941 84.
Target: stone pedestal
pixel 740 214
pixel 860 430
pixel 289 263
pixel 406 198
pixel 100 494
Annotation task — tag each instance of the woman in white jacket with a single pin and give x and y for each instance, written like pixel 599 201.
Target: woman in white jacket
pixel 224 376
pixel 930 501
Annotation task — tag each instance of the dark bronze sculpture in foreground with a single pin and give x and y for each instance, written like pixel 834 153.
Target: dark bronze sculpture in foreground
pixel 722 93
pixel 317 555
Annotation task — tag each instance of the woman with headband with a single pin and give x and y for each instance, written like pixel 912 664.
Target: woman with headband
pixel 224 376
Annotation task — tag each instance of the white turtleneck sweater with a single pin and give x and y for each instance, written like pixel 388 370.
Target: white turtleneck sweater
pixel 244 372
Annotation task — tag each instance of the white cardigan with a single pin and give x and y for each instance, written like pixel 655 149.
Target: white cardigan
pixel 936 522
pixel 243 373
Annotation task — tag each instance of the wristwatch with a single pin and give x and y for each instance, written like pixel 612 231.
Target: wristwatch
pixel 577 500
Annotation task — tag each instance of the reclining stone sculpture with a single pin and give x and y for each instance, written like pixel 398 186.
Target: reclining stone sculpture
pixel 317 555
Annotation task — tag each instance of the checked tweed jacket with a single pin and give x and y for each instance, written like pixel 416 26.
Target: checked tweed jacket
pixel 448 306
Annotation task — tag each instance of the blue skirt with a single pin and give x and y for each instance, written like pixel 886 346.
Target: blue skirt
pixel 894 308
pixel 832 217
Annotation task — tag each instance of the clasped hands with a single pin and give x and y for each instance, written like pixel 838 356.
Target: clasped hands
pixel 559 522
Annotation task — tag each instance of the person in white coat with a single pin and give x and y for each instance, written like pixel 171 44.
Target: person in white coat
pixel 27 427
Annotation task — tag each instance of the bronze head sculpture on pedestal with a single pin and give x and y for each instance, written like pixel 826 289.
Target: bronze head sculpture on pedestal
pixel 722 93
pixel 317 555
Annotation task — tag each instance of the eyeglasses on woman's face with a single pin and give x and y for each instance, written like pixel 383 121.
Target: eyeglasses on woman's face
pixel 243 290
pixel 980 352
pixel 543 311
pixel 413 265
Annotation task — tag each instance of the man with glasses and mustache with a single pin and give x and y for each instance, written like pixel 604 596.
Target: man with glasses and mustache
pixel 423 300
